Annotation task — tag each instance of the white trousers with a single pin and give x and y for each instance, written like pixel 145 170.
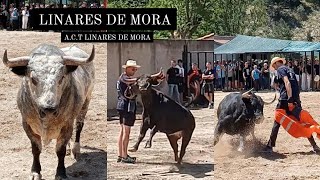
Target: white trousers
pixel 25 22
pixel 304 81
pixel 309 81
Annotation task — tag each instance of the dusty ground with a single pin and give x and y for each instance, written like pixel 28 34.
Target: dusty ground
pixel 15 148
pixel 292 158
pixel 158 161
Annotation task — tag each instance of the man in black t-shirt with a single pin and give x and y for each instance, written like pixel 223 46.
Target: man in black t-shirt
pixel 173 81
pixel 207 87
pixel 296 69
pixel 247 76
pixel 289 101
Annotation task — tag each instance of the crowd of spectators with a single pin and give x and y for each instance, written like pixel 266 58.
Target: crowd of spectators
pixel 236 76
pixel 18 18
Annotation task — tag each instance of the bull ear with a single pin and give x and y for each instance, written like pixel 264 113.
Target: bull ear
pixel 19 70
pixel 70 69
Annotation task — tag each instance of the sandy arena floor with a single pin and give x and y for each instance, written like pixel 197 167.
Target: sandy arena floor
pixel 158 161
pixel 15 147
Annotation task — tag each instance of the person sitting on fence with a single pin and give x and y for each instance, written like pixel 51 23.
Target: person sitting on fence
pixel 194 80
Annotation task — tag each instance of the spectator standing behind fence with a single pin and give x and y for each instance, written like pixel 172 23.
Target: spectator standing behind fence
pixel 308 68
pixel 218 71
pixel 303 77
pixel 230 69
pixel 265 76
pixel 296 69
pixel 181 79
pixel 14 19
pixel 316 75
pixel 173 81
pixel 239 76
pixel 5 17
pixel 25 18
pixel 247 76
pixel 255 74
pixel 207 87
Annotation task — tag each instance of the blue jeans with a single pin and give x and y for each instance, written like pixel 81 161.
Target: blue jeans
pixel 174 92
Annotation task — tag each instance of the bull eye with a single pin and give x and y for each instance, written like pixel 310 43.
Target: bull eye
pixel 60 81
pixel 34 81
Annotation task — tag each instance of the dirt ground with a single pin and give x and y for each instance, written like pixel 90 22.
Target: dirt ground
pixel 292 159
pixel 158 162
pixel 15 147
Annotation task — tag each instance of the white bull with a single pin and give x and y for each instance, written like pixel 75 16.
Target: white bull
pixel 56 89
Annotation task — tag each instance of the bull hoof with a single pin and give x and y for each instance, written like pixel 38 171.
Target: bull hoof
pixel 76 150
pixel 133 149
pixel 240 149
pixel 176 159
pixel 148 145
pixel 179 161
pixel 35 176
pixel 61 177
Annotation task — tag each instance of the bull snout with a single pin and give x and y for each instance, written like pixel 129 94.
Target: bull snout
pixel 47 111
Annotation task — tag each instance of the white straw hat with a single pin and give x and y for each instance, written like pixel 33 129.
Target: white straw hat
pixel 276 59
pixel 131 63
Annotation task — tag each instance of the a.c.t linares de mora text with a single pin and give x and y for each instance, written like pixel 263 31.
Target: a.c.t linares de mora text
pixel 106 37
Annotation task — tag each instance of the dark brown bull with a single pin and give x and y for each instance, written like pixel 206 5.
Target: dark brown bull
pixel 163 114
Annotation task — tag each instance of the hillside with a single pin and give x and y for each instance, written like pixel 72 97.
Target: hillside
pixel 283 19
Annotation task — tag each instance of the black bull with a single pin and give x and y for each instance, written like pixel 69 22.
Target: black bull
pixel 237 114
pixel 160 113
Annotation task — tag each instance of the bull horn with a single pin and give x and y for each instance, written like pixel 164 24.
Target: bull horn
pixel 76 61
pixel 158 74
pixel 246 94
pixel 155 85
pixel 267 103
pixel 14 62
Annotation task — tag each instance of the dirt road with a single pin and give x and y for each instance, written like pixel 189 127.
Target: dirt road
pixel 158 161
pixel 15 147
pixel 292 159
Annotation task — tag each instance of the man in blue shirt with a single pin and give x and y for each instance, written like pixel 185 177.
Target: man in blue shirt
pixel 288 87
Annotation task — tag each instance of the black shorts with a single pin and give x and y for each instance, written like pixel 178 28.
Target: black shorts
pixel 208 88
pixel 229 78
pixel 127 118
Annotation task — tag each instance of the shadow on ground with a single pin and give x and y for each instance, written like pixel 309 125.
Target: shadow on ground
pixel 89 166
pixel 194 170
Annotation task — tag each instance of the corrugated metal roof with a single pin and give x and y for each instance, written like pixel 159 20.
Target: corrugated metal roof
pixel 296 46
pixel 250 44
